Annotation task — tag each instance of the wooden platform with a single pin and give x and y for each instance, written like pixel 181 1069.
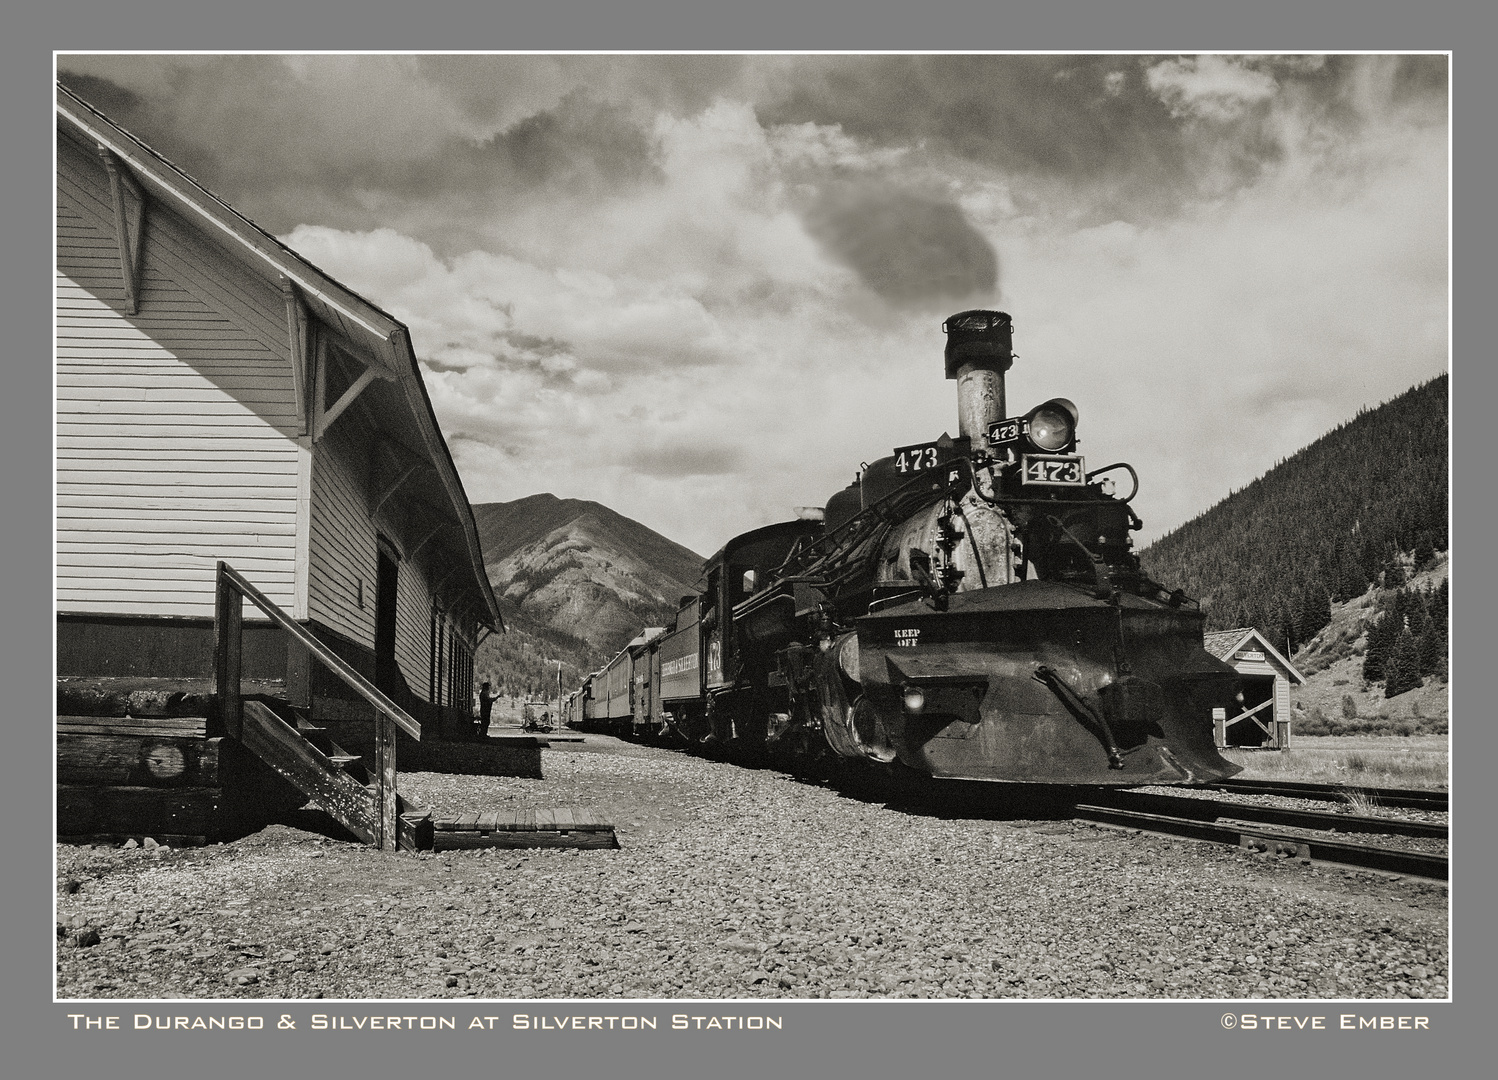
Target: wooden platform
pixel 561 827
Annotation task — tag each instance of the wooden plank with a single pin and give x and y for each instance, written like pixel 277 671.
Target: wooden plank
pixel 525 820
pixel 158 726
pixel 466 821
pixel 488 822
pixel 563 816
pixel 587 841
pixel 416 832
pixel 545 819
pixel 301 569
pixel 136 810
pixel 385 782
pixel 277 521
pixel 111 497
pixel 167 839
pixel 589 820
pixel 191 575
pixel 137 760
pixel 228 615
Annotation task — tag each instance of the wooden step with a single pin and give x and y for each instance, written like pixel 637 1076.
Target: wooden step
pixel 415 826
pixel 281 747
pixel 524 827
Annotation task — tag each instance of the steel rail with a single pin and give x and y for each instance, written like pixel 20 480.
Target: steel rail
pixel 1296 842
pixel 1212 809
pixel 1404 798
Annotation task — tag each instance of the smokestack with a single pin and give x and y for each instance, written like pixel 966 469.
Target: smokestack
pixel 979 351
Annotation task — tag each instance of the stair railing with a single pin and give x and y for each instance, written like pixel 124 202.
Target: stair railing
pixel 228 619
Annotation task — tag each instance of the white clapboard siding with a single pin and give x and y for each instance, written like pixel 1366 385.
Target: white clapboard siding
pixel 176 426
pixel 342 545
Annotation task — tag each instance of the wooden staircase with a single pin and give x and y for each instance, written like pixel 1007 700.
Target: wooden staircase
pixel 337 781
pixel 363 799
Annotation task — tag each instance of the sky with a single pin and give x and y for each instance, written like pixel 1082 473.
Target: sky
pixel 703 289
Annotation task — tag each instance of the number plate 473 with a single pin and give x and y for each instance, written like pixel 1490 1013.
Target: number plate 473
pixel 1053 469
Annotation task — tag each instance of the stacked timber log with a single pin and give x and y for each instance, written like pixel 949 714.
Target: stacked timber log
pixel 140 764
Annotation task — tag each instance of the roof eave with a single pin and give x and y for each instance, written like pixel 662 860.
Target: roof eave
pixel 388 336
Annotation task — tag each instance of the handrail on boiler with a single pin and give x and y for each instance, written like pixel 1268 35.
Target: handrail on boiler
pixel 227 620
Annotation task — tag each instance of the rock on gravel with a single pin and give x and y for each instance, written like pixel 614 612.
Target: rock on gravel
pixel 739 883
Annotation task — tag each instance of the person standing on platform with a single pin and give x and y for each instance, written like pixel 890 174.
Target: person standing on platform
pixel 486 706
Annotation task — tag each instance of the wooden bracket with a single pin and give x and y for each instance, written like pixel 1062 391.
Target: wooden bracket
pixel 129 224
pixel 423 541
pixel 323 418
pixel 297 330
pixel 443 580
pixel 391 488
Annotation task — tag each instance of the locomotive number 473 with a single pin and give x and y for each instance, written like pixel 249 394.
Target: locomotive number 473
pixel 910 459
pixel 1053 469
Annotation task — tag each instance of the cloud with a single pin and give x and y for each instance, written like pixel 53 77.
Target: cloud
pixel 1209 87
pixel 910 249
pixel 702 289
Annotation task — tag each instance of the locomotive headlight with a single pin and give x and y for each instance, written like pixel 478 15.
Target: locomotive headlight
pixel 1053 426
pixel 915 700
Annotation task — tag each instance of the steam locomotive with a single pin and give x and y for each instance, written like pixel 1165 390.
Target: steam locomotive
pixel 968 608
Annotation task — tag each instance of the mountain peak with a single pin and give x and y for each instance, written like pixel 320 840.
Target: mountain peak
pixel 577 568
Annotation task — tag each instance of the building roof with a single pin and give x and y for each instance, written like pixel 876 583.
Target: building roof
pixel 1224 643
pixel 386 339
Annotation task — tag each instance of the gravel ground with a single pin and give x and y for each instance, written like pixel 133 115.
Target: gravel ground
pixel 736 883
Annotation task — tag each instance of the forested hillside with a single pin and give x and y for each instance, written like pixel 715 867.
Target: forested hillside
pixel 1320 526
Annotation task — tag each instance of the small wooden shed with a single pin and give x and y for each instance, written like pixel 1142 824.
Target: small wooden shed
pixel 1266 678
pixel 222 400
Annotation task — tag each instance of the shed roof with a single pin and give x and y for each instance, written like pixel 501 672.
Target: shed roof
pixel 1224 643
pixel 386 338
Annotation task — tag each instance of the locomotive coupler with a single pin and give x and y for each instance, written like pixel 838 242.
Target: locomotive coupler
pixel 1084 713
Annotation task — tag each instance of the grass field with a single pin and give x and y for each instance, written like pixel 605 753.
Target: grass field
pixel 1416 761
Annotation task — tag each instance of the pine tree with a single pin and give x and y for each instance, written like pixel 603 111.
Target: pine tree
pixel 1351 583
pixel 1431 649
pixel 1434 639
pixel 1403 667
pixel 1393 572
pixel 1315 611
pixel 1425 550
pixel 1383 632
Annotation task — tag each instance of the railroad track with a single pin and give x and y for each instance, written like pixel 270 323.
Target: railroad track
pixel 1403 798
pixel 1271 838
pixel 1306 834
pixel 1200 809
